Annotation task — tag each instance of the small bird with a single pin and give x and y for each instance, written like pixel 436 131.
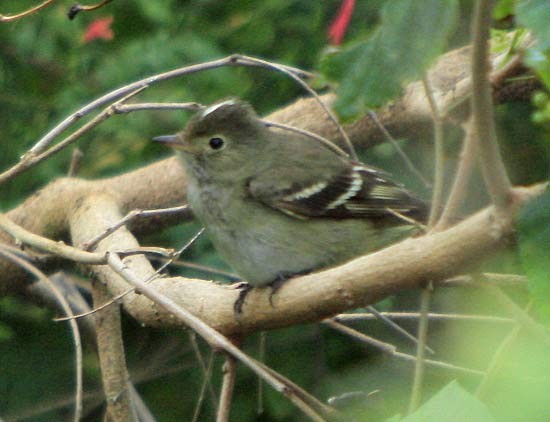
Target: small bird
pixel 277 204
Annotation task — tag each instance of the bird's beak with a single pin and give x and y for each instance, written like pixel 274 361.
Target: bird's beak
pixel 168 140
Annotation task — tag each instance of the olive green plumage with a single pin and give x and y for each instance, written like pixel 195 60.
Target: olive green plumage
pixel 278 203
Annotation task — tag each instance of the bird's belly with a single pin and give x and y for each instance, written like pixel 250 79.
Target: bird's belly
pixel 263 245
pixel 267 247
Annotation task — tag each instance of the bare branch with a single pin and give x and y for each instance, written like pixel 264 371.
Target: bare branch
pixel 111 357
pixel 207 377
pixel 32 158
pixel 462 177
pixel 213 337
pixel 47 245
pixel 396 327
pixel 72 323
pixel 416 393
pixel 226 396
pixel 494 172
pixel 439 154
pixel 128 108
pixel 11 18
pixel 410 165
pixel 126 219
pixel 76 160
pixel 309 134
pixel 76 8
pixel 298 79
pixel 416 315
pixel 392 350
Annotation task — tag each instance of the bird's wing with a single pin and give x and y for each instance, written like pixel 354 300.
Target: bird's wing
pixel 347 191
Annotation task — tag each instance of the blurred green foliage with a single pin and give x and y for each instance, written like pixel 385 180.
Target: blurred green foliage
pixel 534 244
pixel 47 72
pixel 362 68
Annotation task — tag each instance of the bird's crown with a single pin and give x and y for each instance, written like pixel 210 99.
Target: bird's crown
pixel 225 117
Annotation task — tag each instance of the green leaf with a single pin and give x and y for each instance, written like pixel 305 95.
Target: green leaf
pixel 534 247
pixel 451 404
pixel 535 15
pixel 539 60
pixel 412 34
pixel 503 9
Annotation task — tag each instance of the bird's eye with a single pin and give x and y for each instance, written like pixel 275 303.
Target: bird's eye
pixel 216 143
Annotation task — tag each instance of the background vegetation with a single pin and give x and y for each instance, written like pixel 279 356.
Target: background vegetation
pixel 49 68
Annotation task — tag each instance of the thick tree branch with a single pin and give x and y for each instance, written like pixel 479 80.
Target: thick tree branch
pixel 310 298
pixel 111 357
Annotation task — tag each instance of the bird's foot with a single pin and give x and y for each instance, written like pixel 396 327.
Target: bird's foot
pixel 282 279
pixel 275 285
pixel 244 288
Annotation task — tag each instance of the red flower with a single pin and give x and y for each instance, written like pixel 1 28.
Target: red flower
pixel 99 29
pixel 340 24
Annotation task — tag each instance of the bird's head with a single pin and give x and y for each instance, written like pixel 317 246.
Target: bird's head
pixel 224 136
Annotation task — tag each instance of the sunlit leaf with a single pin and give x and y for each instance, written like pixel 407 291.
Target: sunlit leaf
pixel 535 15
pixel 451 404
pixel 534 245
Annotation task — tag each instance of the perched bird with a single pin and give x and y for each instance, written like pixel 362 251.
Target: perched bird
pixel 277 204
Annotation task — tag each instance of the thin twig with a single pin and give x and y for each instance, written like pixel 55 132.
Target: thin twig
pixel 300 81
pixel 178 253
pixel 462 177
pixel 439 154
pixel 381 345
pixel 233 60
pixel 226 396
pixel 31 269
pixel 261 358
pixel 76 160
pixel 26 255
pixel 94 398
pixel 324 141
pixel 11 18
pixel 307 398
pixel 212 336
pixel 207 376
pixel 199 267
pixel 392 350
pixel 129 108
pixel 145 250
pixel 406 219
pixel 48 245
pixel 151 278
pixel 432 316
pixel 396 327
pixel 33 157
pixel 497 279
pixel 416 393
pixel 426 293
pixel 130 217
pixel 204 367
pixel 494 173
pixel 76 8
pixel 404 157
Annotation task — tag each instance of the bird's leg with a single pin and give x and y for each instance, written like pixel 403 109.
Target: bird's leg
pixel 282 277
pixel 275 285
pixel 244 288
